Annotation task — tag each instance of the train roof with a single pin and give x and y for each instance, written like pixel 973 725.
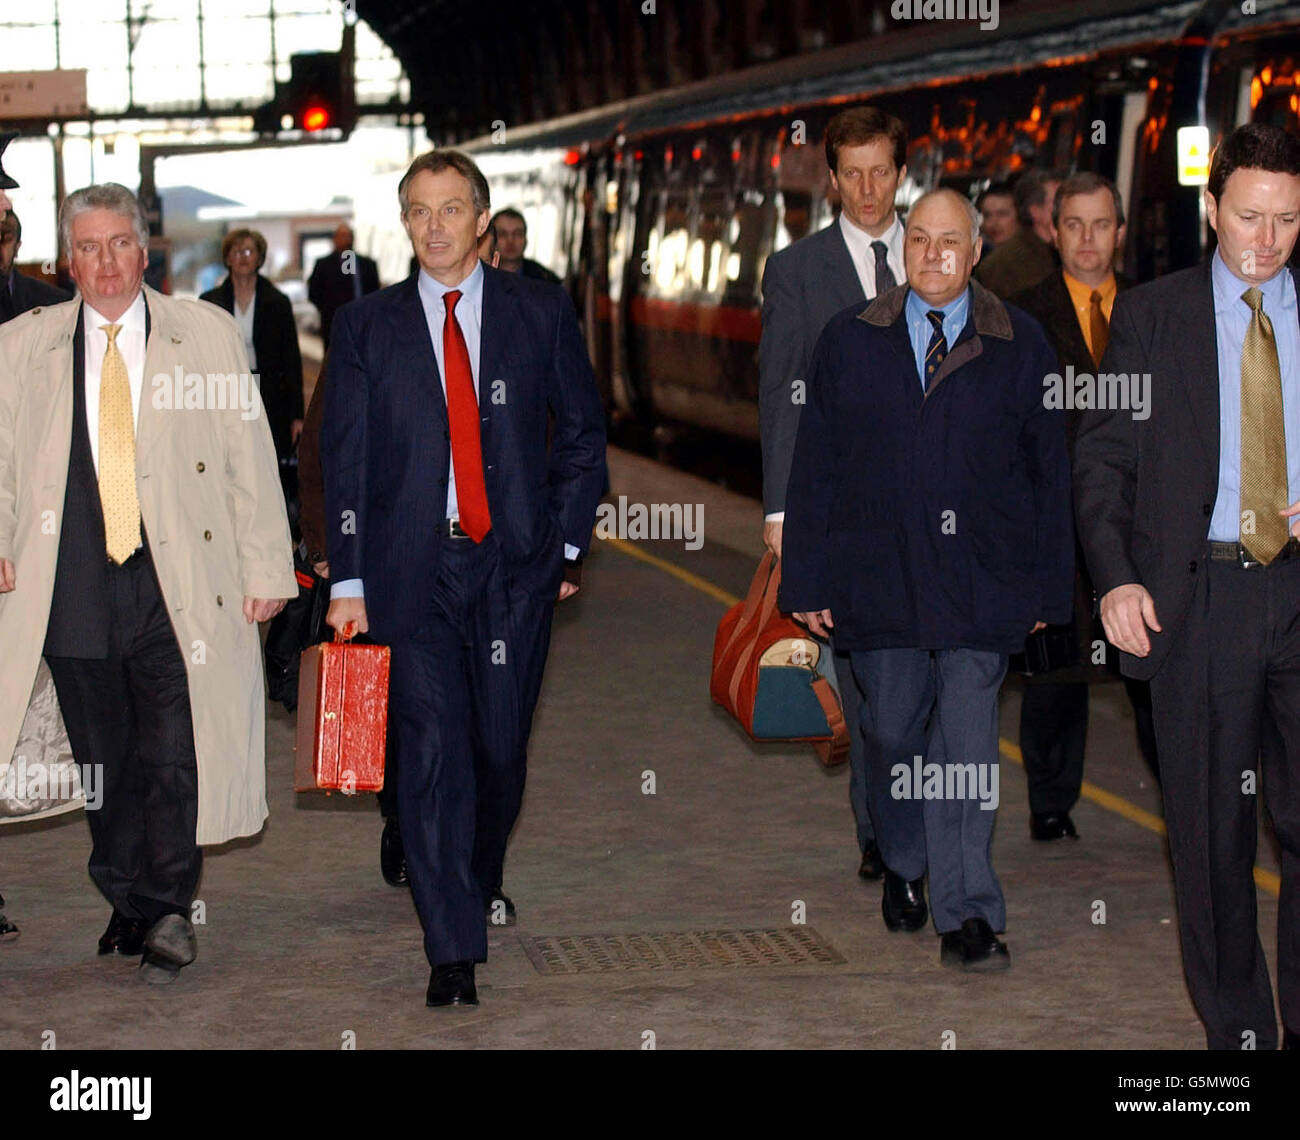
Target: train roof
pixel 920 55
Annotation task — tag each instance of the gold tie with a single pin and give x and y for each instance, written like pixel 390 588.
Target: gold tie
pixel 1098 328
pixel 117 493
pixel 1263 438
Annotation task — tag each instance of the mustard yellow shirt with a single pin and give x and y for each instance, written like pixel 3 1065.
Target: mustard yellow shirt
pixel 1081 295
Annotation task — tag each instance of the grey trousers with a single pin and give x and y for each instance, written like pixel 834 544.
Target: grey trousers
pixel 930 721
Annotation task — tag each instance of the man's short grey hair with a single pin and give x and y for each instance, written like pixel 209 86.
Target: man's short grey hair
pixel 105 196
pixel 972 210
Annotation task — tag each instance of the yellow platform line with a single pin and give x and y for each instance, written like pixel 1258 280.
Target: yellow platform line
pixel 1266 880
pixel 701 584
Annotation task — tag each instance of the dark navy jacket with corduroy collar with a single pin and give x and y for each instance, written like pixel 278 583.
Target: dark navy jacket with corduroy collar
pixel 935 520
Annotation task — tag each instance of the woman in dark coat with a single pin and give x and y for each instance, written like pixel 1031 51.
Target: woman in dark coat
pixel 265 315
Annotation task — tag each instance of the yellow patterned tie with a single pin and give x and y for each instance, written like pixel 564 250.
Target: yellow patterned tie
pixel 117 493
pixel 1263 438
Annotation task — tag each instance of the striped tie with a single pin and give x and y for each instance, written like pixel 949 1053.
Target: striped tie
pixel 937 349
pixel 117 493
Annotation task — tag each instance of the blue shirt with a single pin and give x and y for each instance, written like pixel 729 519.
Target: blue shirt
pixel 921 330
pixel 1232 317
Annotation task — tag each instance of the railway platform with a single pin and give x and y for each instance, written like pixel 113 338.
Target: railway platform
pixel 676 885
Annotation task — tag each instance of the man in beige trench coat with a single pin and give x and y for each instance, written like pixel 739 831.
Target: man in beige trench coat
pixel 142 537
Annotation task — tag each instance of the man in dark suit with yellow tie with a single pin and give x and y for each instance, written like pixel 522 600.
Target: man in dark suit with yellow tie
pixel 1187 518
pixel 450 522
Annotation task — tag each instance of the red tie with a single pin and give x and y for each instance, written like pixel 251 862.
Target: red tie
pixel 462 411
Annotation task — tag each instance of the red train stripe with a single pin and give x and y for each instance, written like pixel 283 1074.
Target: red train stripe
pixel 723 322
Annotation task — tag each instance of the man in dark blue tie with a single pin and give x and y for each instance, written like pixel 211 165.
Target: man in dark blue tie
pixel 928 524
pixel 450 522
pixel 855 258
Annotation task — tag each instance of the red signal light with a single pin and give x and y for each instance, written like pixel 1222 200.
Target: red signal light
pixel 315 118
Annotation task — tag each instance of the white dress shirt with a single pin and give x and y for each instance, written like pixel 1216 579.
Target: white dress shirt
pixel 864 257
pixel 864 262
pixel 244 319
pixel 130 343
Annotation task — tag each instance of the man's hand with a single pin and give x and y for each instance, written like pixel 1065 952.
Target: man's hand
pixel 322 568
pixel 262 609
pixel 344 610
pixel 819 621
pixel 1127 612
pixel 567 590
pixel 1037 626
pixel 295 430
pixel 772 536
pixel 1291 512
pixel 7 579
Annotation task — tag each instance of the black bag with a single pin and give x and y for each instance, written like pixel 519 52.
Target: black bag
pixel 1056 647
pixel 300 624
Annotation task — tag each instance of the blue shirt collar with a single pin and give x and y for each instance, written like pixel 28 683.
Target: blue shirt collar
pixel 1228 287
pixel 954 312
pixel 471 289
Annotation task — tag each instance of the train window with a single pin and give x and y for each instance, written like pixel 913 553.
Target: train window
pixel 749 228
pixel 668 250
pixel 794 217
pixel 709 249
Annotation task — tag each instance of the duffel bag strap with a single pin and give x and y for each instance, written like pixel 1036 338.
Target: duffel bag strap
pixel 834 751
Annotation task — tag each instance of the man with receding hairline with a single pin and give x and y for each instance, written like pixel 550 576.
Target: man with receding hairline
pixel 928 525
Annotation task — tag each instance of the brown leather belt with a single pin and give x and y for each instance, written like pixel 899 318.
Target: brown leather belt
pixel 1235 552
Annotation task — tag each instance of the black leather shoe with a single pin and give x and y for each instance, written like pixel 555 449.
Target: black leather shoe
pixel 452 984
pixel 1051 825
pixel 156 970
pixel 123 935
pixel 1290 1039
pixel 982 950
pixel 8 931
pixel 392 855
pixel 500 911
pixel 903 903
pixel 872 865
pixel 952 949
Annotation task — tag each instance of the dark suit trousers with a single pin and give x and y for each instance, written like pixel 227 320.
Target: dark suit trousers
pixel 851 704
pixel 129 715
pixel 942 707
pixel 1053 737
pixel 1229 690
pixel 464 687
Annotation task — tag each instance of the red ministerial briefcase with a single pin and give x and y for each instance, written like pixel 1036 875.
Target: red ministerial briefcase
pixel 342 717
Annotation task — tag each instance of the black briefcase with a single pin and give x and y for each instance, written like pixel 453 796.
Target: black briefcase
pixel 1050 649
pixel 296 627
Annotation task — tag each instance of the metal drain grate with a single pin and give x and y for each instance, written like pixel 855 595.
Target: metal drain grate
pixel 682 950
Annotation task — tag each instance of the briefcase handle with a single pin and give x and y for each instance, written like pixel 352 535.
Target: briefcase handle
pixel 346 634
